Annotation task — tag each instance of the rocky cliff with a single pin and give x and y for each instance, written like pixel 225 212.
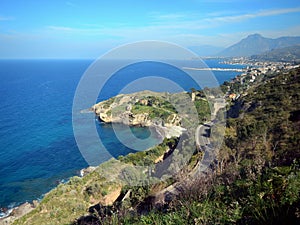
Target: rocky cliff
pixel 144 108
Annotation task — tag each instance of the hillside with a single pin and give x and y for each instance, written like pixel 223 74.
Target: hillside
pixel 256 44
pixel 287 54
pixel 257 176
pixel 255 179
pixel 106 184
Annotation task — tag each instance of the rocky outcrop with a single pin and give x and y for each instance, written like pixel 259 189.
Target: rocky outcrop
pixel 18 212
pixel 87 170
pixel 145 108
pixel 139 120
pixel 111 197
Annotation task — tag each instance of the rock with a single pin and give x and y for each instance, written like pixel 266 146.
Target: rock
pixel 6 221
pixel 159 159
pixel 35 203
pixel 121 109
pixel 172 120
pixel 22 210
pixel 140 120
pixel 87 170
pixel 16 213
pixel 111 197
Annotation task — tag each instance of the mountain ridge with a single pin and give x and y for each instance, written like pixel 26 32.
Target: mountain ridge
pixel 256 44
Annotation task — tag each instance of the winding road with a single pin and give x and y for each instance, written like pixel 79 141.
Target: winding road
pixel 202 138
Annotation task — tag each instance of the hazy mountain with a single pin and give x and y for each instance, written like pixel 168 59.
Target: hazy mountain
pixel 256 44
pixel 206 50
pixel 287 54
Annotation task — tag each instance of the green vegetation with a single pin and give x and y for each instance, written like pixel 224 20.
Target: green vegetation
pixel 71 200
pixel 108 102
pixel 155 107
pixel 287 54
pixel 258 179
pixel 203 109
pixel 147 158
pixel 255 179
pixel 270 198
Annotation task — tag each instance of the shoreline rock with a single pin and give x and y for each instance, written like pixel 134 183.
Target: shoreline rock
pixel 87 170
pixel 18 212
pixel 168 131
pixel 119 109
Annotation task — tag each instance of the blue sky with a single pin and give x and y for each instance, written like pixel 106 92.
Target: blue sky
pixel 87 29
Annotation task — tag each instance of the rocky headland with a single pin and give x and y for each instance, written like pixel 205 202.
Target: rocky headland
pixel 146 109
pixel 108 185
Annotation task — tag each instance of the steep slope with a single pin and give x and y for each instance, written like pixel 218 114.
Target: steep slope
pixel 287 54
pixel 256 44
pixel 103 185
pixel 257 176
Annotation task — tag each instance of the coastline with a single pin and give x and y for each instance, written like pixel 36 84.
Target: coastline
pixel 17 212
pixel 162 132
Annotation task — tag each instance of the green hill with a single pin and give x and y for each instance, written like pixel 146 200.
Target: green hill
pixel 257 176
pixel 255 179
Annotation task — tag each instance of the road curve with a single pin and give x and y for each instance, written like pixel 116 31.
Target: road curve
pixel 202 138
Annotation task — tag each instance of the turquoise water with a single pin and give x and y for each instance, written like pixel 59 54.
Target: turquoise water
pixel 37 145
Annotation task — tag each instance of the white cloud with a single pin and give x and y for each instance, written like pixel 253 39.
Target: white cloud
pixel 61 28
pixel 170 16
pixel 191 21
pixel 238 18
pixel 187 30
pixel 173 23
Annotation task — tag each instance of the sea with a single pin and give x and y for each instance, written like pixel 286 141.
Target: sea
pixel 38 149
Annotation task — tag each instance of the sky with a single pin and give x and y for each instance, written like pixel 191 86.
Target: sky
pixel 88 29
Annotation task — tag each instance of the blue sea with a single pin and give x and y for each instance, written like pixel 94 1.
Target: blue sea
pixel 37 145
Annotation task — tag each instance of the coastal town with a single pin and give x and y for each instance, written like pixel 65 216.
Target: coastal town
pixel 254 71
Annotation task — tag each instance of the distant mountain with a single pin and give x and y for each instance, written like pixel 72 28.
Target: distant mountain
pixel 206 50
pixel 256 44
pixel 287 54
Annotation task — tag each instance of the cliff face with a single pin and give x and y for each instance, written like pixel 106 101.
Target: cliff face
pixel 139 109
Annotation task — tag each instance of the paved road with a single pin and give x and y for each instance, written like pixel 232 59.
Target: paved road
pixel 202 140
pixel 202 137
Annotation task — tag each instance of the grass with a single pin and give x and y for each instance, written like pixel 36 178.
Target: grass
pixel 71 200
